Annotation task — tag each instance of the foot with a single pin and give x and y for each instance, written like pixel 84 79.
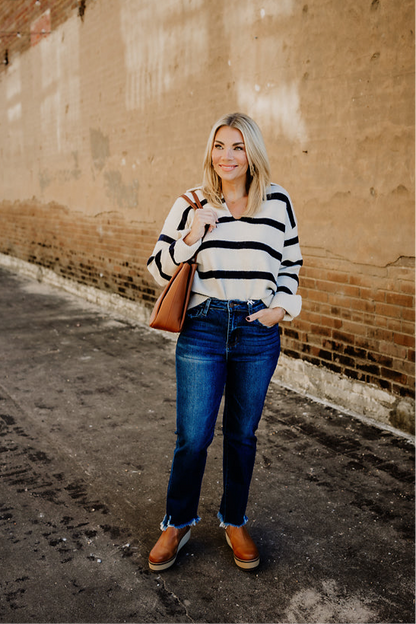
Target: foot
pixel 246 555
pixel 164 552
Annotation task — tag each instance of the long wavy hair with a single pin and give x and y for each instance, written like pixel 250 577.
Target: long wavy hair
pixel 258 172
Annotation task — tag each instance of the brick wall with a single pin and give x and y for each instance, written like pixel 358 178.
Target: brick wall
pixel 359 324
pixel 24 23
pixel 104 251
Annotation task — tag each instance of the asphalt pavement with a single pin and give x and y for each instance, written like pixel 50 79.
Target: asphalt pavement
pixel 87 419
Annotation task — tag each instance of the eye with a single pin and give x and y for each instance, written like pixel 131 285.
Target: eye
pixel 217 146
pixel 240 148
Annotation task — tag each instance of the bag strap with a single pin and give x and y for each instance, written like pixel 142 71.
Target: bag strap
pixel 196 203
pixel 195 206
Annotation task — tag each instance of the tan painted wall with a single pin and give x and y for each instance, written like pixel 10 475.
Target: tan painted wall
pixel 102 112
pixel 104 122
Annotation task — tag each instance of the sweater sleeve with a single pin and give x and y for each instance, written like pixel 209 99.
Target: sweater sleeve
pixel 288 276
pixel 170 249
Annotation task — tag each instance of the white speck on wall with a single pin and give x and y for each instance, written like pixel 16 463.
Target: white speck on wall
pixel 248 12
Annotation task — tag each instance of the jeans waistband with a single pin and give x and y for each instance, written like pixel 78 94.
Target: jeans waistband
pixel 232 304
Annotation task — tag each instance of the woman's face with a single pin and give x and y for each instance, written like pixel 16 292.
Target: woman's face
pixel 229 157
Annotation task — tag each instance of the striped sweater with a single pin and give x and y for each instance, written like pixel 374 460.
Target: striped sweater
pixel 254 257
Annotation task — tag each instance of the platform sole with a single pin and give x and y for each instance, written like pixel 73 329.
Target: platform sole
pixel 164 565
pixel 245 564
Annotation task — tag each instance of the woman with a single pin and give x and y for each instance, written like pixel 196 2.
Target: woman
pixel 246 281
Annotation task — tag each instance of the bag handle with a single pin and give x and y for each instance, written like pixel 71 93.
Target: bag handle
pixel 197 203
pixel 195 206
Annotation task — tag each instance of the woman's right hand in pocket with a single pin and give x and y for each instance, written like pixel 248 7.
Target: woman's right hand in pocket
pixel 202 218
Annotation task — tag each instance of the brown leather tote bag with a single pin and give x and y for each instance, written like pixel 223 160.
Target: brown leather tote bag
pixel 169 311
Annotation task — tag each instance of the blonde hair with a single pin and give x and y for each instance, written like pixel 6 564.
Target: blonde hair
pixel 258 173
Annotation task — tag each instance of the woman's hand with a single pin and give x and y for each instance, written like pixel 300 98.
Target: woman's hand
pixel 203 217
pixel 268 316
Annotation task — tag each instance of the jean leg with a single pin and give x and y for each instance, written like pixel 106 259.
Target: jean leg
pixel 200 384
pixel 248 378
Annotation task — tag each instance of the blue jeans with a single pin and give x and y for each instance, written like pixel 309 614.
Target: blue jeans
pixel 216 350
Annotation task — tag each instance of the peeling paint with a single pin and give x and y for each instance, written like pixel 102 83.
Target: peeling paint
pixel 275 107
pixel 273 99
pixel 155 46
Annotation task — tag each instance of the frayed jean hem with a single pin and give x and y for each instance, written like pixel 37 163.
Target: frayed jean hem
pixel 224 525
pixel 167 522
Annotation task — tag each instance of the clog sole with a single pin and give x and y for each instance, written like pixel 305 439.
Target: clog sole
pixel 164 565
pixel 243 563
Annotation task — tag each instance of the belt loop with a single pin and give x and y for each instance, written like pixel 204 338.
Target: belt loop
pixel 207 305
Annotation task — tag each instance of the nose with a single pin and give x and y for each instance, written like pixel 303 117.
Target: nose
pixel 228 153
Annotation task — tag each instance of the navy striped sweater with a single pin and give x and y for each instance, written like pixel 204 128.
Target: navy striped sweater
pixel 254 257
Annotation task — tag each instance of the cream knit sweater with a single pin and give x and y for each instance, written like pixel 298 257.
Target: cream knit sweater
pixel 253 258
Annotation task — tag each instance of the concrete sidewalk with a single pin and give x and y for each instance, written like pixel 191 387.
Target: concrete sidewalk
pixel 87 410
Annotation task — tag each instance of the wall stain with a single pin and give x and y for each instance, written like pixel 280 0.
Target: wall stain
pixel 44 179
pixel 124 195
pixel 100 148
pixel 61 176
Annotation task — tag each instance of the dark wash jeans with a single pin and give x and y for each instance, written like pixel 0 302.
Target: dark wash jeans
pixel 219 349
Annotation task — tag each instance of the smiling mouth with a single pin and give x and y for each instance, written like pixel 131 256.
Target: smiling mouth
pixel 228 167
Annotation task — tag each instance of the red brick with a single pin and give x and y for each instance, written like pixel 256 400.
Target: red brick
pixel 339 301
pixel 406 301
pixel 315 295
pixel 373 294
pixel 394 325
pixel 388 310
pixel 354 328
pixel 380 334
pixel 363 305
pixel 331 321
pixel 366 281
pixel 395 376
pixel 381 383
pixel 406 367
pixel 405 340
pixel 343 337
pixel 407 287
pixel 408 328
pixel 313 317
pixel 343 278
pixel 307 283
pixel 408 315
pixel 321 330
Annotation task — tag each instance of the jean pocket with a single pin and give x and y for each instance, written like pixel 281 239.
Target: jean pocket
pixel 256 308
pixel 196 311
pixel 259 324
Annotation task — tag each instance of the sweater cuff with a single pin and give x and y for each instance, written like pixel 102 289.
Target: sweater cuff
pixel 292 304
pixel 184 252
